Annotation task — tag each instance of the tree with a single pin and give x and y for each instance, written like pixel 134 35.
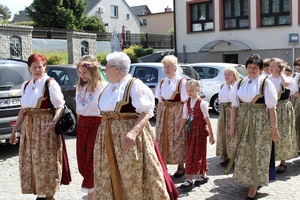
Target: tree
pixel 67 14
pixel 4 10
pixel 94 23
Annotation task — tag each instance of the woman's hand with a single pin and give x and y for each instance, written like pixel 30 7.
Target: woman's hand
pixel 129 140
pixel 232 131
pixel 47 128
pixel 13 138
pixel 274 134
pixel 211 138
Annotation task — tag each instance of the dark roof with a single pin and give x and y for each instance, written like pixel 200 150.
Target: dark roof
pixel 141 10
pixel 22 16
pixel 90 5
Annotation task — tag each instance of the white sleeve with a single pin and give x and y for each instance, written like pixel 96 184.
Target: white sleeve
pixel 270 94
pixel 157 92
pixel 142 97
pixel 56 96
pixel 183 92
pixel 233 96
pixel 204 108
pixel 185 114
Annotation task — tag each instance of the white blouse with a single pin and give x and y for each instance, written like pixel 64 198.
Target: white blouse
pixel 169 86
pixel 277 83
pixel 34 90
pixel 141 95
pixel 224 93
pixel 248 91
pixel 296 79
pixel 86 102
pixel 203 106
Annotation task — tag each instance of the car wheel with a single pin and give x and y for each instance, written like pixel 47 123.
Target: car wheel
pixel 215 104
pixel 74 131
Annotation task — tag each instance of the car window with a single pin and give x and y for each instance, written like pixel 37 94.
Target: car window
pixel 60 76
pixel 190 72
pixel 13 77
pixel 146 74
pixel 241 69
pixel 207 72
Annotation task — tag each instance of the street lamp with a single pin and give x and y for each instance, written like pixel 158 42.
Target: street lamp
pixel 293 40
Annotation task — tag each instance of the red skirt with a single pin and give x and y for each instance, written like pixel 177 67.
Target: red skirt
pixel 172 190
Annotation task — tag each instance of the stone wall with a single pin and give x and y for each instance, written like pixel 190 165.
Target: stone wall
pixel 75 42
pixel 15 41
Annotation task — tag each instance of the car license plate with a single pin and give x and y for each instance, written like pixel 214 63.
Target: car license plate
pixel 10 102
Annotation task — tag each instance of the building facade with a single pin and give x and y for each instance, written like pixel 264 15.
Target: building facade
pixel 232 30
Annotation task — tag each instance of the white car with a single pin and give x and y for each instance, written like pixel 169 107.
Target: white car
pixel 152 73
pixel 212 76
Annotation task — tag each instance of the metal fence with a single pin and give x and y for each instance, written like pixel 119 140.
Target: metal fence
pixel 145 40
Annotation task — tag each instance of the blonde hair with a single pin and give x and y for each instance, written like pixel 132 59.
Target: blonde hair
pixel 281 64
pixel 170 59
pixel 234 71
pixel 193 82
pixel 90 63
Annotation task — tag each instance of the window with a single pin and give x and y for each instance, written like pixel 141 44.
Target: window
pixel 236 13
pixel 114 11
pixel 144 22
pixel 201 17
pixel 275 12
pixel 146 74
pixel 127 16
pixel 127 36
pixel 207 72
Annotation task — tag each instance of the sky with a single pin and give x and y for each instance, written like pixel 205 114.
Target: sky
pixel 155 6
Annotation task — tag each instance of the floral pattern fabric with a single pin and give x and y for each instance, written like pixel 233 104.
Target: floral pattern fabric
pixel 243 170
pixel 225 142
pixel 140 170
pixel 296 104
pixel 40 158
pixel 176 148
pixel 287 145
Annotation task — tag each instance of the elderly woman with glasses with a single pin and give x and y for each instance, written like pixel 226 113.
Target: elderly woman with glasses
pixel 126 164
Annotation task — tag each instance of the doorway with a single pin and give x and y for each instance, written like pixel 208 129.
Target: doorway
pixel 231 58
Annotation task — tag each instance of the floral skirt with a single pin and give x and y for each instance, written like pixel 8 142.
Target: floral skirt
pixel 296 104
pixel 40 158
pixel 287 145
pixel 174 150
pixel 246 170
pixel 225 142
pixel 141 175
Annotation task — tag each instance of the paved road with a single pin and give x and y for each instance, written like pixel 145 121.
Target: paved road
pixel 219 186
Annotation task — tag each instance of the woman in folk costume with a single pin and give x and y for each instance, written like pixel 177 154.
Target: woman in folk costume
pixel 88 91
pixel 287 146
pixel 40 150
pixel 296 101
pixel 226 143
pixel 171 93
pixel 254 123
pixel 125 162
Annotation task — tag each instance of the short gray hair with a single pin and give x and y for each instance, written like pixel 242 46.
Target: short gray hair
pixel 120 59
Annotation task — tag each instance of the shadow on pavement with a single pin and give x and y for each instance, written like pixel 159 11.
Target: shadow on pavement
pixel 8 151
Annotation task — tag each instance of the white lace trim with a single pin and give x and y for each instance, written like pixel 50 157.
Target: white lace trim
pixel 87 190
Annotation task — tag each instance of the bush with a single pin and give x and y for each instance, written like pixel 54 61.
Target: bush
pixel 131 54
pixel 54 60
pixel 149 51
pixel 102 58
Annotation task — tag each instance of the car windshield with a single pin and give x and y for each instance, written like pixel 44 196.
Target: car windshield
pixel 13 77
pixel 190 72
pixel 241 69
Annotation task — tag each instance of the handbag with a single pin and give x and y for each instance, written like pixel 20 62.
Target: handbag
pixel 67 121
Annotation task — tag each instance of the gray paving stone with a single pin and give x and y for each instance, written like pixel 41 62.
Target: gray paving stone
pixel 219 186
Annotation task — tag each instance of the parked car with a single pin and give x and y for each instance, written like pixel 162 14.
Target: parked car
pixel 13 73
pixel 67 78
pixel 212 76
pixel 152 73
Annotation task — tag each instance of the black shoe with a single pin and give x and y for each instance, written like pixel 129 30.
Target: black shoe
pixel 251 198
pixel 202 180
pixel 225 163
pixel 187 185
pixel 40 198
pixel 176 175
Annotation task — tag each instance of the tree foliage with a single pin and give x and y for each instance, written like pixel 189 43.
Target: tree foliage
pixel 94 23
pixel 67 14
pixel 4 10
